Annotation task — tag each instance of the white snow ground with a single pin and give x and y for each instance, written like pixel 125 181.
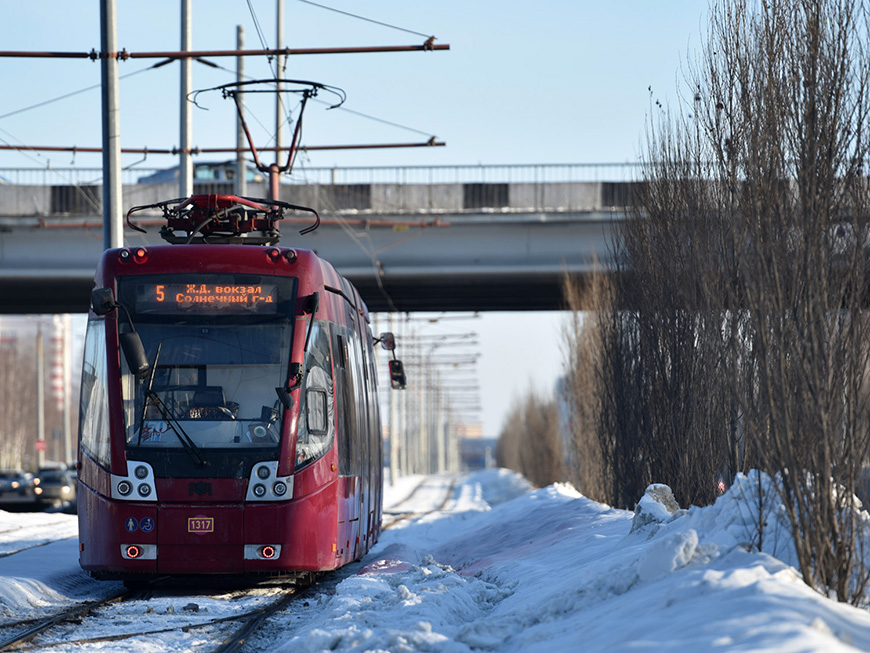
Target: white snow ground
pixel 506 568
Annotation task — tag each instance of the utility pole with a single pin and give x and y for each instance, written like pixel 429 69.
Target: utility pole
pixel 394 423
pixel 274 169
pixel 185 160
pixel 241 165
pixel 113 227
pixel 40 399
pixel 403 418
pixel 440 428
pixel 68 453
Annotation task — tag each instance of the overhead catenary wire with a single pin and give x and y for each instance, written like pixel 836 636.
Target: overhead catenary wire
pixel 124 55
pixel 377 268
pixel 257 27
pixel 71 94
pixel 368 20
pixel 342 108
pixel 167 57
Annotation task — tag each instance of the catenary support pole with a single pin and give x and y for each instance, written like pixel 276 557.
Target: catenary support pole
pixel 185 160
pixel 40 397
pixel 113 229
pixel 274 174
pixel 394 422
pixel 241 142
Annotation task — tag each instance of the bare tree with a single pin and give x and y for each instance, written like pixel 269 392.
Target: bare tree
pixel 748 274
pixel 585 466
pixel 17 419
pixel 530 442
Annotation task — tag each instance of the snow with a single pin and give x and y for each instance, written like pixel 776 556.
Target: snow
pixel 505 567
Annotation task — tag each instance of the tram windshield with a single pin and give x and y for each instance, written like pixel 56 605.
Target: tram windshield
pixel 219 346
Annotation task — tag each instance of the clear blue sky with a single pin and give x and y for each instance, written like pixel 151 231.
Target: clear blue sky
pixel 557 81
pixel 524 82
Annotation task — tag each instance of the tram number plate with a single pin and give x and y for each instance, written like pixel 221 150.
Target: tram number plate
pixel 200 524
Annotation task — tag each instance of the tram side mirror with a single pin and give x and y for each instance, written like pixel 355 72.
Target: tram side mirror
pixel 388 341
pixel 103 301
pixel 397 375
pixel 134 352
pixel 284 397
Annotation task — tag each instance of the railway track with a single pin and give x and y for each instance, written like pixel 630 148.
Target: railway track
pixel 114 615
pixel 25 631
pixel 223 621
pixel 12 552
pixel 397 514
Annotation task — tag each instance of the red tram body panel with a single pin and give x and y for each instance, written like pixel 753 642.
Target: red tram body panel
pixel 245 437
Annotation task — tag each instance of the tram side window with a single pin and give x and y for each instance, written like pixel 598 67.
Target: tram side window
pixel 359 427
pixel 317 410
pixel 346 403
pixel 94 423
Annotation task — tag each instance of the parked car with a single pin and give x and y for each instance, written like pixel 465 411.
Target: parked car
pixel 54 487
pixel 16 488
pixel 212 172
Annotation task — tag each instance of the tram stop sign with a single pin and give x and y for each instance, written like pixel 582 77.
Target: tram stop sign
pixel 41 445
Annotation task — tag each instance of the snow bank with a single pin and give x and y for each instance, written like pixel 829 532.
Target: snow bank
pixel 504 567
pixel 550 570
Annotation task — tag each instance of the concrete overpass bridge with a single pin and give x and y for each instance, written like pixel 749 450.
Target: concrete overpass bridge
pixel 411 239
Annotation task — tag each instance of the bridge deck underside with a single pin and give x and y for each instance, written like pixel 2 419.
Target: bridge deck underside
pixel 493 263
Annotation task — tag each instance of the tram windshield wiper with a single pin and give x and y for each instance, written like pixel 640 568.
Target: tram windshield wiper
pixel 187 443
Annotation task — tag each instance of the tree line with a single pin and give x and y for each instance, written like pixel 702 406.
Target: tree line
pixel 734 333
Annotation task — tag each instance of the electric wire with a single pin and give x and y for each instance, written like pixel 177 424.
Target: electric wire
pixel 368 20
pixel 257 27
pixel 68 95
pixel 288 115
pixel 24 150
pixel 367 249
pixel 341 108
pixel 380 120
pixel 288 119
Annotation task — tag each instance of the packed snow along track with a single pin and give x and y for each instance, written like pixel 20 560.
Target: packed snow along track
pixel 192 619
pixel 500 567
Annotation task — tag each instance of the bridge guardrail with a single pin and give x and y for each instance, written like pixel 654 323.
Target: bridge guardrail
pixel 441 174
pixel 377 190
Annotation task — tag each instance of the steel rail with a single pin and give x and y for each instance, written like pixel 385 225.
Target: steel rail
pixel 45 623
pixel 235 641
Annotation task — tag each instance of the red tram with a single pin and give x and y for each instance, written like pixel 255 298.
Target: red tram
pixel 229 414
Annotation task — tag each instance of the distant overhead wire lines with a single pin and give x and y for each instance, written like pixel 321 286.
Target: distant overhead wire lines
pixel 169 56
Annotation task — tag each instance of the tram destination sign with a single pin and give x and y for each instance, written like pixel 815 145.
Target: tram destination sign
pixel 206 298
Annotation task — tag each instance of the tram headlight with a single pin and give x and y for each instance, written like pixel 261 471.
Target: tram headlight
pixel 267 552
pixel 266 484
pixel 133 551
pixel 137 484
